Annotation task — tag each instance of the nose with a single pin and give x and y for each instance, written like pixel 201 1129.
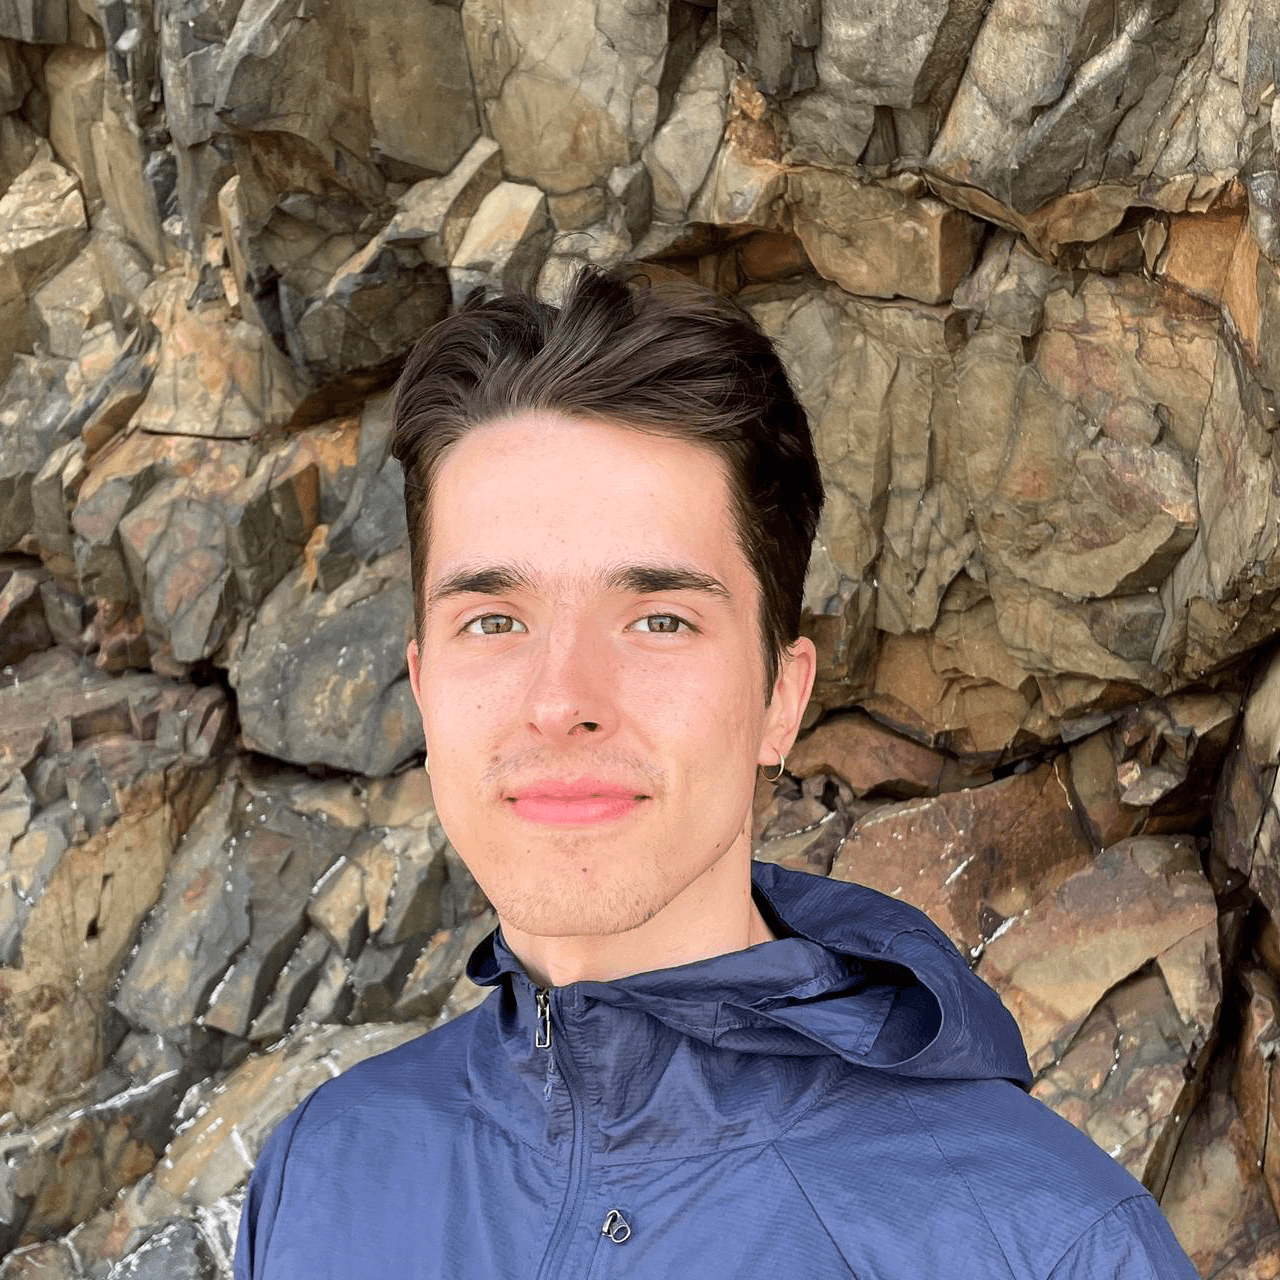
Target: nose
pixel 569 692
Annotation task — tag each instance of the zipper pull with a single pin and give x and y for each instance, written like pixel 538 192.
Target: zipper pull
pixel 542 1040
pixel 616 1227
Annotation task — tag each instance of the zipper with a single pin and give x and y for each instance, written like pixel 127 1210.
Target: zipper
pixel 542 1037
pixel 579 1154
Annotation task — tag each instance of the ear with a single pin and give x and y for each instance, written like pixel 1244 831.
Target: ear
pixel 796 671
pixel 415 673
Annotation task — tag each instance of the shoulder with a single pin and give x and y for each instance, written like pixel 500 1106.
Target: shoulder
pixel 1006 1179
pixel 427 1072
pixel 1132 1240
pixel 363 1117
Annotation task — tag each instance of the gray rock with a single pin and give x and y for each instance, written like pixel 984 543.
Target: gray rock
pixel 413 114
pixel 680 152
pixel 375 307
pixel 176 1250
pixel 505 242
pixel 569 93
pixel 283 854
pixel 23 626
pixel 321 677
pixel 432 215
pixel 294 987
pixel 47 22
pixel 15 79
pixel 202 921
pixel 774 42
pixel 1140 102
pixel 438 968
pixel 34 406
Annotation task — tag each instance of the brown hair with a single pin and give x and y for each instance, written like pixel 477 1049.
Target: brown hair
pixel 671 358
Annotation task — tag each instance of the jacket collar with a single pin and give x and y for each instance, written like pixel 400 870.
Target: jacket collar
pixel 858 975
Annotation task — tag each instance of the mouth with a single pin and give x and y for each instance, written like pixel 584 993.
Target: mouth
pixel 576 804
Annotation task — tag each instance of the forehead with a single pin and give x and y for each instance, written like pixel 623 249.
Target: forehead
pixel 569 495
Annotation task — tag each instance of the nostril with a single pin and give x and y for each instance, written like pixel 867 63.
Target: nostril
pixel 590 726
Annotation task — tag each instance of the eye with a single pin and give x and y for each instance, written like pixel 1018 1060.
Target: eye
pixel 494 624
pixel 664 624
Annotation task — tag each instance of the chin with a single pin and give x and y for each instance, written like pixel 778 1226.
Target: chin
pixel 561 910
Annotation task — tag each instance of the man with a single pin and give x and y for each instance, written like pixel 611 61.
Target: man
pixel 689 1066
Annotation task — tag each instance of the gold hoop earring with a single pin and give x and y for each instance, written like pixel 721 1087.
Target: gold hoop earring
pixel 777 775
pixel 426 764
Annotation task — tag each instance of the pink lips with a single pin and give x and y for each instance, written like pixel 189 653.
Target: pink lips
pixel 575 803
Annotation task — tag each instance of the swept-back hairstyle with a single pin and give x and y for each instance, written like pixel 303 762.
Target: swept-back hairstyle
pixel 671 358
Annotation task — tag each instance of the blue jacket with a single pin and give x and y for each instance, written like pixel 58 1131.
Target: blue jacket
pixel 845 1101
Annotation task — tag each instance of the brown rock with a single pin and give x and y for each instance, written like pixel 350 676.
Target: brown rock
pixel 119 162
pixel 439 968
pixel 1214 1198
pixel 42 226
pixel 74 78
pixel 1114 516
pixel 1170 754
pixel 1143 899
pixel 868 757
pixel 74 941
pixel 1246 811
pixel 69 304
pixel 747 182
pixel 577 209
pixel 1254 1084
pixel 1200 250
pixel 1130 1077
pixel 40 1262
pixel 217 376
pixel 1095 790
pixel 975 860
pixel 877 381
pixel 877 242
pixel 959 688
pixel 215 1154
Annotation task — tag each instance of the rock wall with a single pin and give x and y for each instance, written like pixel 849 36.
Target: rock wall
pixel 1024 262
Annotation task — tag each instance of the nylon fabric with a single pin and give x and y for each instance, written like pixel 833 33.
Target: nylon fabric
pixel 848 1100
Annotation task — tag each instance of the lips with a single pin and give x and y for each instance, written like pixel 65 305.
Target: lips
pixel 575 803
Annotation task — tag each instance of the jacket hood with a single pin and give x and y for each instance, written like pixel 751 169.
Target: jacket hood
pixel 852 973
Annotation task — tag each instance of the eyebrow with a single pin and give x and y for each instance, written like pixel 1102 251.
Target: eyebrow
pixel 639 579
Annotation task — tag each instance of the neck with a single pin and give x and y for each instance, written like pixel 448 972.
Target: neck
pixel 712 916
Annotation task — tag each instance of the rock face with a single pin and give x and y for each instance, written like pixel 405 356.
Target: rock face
pixel 1024 267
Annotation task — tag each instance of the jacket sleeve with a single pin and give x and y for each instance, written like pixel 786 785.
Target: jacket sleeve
pixel 1133 1241
pixel 262 1200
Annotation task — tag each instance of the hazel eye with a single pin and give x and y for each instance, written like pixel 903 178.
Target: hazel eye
pixel 664 624
pixel 494 624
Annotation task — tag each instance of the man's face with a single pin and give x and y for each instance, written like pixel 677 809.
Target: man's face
pixel 590 672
